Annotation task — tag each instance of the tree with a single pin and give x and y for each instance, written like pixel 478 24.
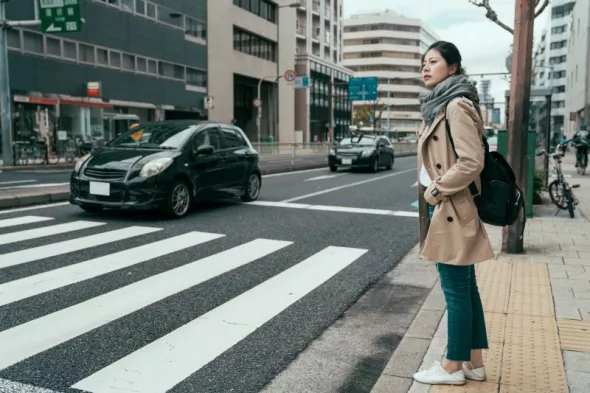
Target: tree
pixel 493 16
pixel 363 113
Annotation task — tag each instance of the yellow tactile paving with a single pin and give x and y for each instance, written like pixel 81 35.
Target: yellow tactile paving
pixel 575 335
pixel 523 333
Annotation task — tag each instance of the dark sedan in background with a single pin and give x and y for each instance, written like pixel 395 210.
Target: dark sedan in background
pixel 363 151
pixel 167 165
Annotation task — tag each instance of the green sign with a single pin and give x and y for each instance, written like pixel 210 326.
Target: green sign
pixel 60 16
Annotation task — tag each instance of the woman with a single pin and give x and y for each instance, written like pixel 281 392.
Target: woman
pixel 452 234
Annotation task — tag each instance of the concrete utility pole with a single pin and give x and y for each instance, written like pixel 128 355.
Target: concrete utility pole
pixel 520 90
pixel 5 109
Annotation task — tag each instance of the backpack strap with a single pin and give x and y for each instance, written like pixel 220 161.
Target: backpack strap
pixel 472 186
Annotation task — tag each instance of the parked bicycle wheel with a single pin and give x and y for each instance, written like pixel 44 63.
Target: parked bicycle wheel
pixel 557 195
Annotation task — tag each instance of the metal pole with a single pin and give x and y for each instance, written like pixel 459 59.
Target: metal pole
pixel 388 104
pixel 258 115
pixel 520 91
pixel 331 109
pixel 5 105
pixel 547 140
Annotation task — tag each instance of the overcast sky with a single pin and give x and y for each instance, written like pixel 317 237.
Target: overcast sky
pixel 483 44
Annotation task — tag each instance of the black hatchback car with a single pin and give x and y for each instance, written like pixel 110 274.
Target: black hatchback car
pixel 167 165
pixel 362 151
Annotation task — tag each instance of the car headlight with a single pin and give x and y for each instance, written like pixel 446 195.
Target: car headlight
pixel 367 153
pixel 155 167
pixel 81 162
pixel 332 152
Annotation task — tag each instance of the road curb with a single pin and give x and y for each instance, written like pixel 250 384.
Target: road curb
pixel 61 196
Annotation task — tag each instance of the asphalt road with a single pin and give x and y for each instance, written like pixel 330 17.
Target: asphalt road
pixel 224 302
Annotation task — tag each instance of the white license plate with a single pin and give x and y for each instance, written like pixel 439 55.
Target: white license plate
pixel 347 161
pixel 97 188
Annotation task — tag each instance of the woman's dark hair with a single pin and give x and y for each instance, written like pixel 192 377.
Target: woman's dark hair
pixel 449 52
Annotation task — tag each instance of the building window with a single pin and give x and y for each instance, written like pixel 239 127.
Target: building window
pixel 86 53
pixel 128 62
pixel 33 42
pixel 261 8
pixel 195 28
pixel 141 65
pixel 70 50
pixel 168 70
pixel 115 59
pixel 53 46
pixel 254 45
pixel 169 17
pixel 196 77
pixel 102 57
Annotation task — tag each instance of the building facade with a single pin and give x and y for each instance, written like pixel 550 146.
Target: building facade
pixel 550 67
pixel 133 61
pixel 577 99
pixel 322 112
pixel 390 47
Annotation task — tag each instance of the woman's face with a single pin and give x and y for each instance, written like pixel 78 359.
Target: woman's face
pixel 435 69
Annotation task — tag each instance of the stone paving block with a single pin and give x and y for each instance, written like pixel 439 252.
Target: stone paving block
pixel 585 313
pixel 419 388
pixel 558 273
pixel 469 387
pixel 425 324
pixel 575 302
pixel 548 260
pixel 435 301
pixel 577 361
pixel 567 312
pixel 578 382
pixel 574 335
pixel 582 293
pixel 563 253
pixel 576 261
pixel 570 283
pixel 566 293
pixel 576 247
pixel 407 357
pixel 389 384
pixel 521 389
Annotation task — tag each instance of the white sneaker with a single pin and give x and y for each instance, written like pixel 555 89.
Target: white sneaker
pixel 437 375
pixel 474 374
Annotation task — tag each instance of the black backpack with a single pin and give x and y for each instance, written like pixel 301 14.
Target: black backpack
pixel 501 200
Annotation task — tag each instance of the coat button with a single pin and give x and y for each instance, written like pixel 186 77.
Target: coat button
pixel 450 219
pixel 438 166
pixel 435 138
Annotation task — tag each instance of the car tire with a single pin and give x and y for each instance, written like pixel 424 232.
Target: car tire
pixel 252 188
pixel 375 165
pixel 390 163
pixel 333 168
pixel 178 202
pixel 91 208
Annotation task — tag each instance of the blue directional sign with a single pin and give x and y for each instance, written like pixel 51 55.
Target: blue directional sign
pixel 362 89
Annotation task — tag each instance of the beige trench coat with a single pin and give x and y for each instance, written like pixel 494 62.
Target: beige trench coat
pixel 455 235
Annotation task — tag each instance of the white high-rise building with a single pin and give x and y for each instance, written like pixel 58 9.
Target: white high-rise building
pixel 389 46
pixel 551 58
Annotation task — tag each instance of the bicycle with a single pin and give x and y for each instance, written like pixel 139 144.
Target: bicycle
pixel 560 191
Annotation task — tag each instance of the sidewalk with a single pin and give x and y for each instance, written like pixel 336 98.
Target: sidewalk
pixel 537 309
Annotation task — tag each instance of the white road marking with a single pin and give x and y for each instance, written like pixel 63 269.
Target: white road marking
pixel 296 172
pixel 2 183
pixel 24 209
pixel 358 183
pixel 7 386
pixel 35 186
pixel 326 177
pixel 9 222
pixel 47 231
pixel 31 338
pixel 14 291
pixel 415 185
pixel 162 364
pixel 342 209
pixel 80 243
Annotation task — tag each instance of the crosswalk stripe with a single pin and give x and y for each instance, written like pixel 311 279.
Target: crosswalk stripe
pixel 31 338
pixel 47 231
pixel 10 222
pixel 164 363
pixel 33 285
pixel 60 248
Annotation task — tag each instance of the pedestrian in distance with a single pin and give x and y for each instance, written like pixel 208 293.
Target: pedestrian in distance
pixel 450 159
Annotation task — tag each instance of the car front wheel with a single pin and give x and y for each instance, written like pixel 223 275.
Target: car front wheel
pixel 179 200
pixel 252 188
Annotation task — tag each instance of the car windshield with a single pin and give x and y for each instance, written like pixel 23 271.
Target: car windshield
pixel 155 136
pixel 363 141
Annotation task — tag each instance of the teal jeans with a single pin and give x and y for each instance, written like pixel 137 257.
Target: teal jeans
pixel 466 323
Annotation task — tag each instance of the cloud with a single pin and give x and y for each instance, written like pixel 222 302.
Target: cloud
pixel 483 44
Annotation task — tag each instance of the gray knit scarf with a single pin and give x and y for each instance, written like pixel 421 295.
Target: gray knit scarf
pixel 436 100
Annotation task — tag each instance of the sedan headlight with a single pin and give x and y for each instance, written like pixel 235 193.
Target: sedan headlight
pixel 367 153
pixel 332 152
pixel 81 162
pixel 155 167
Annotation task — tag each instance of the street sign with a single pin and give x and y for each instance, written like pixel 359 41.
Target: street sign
pixel 257 102
pixel 208 102
pixel 290 75
pixel 301 82
pixel 60 16
pixel 362 89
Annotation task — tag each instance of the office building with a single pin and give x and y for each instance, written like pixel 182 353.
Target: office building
pixel 550 66
pixel 390 46
pixel 577 99
pixel 133 61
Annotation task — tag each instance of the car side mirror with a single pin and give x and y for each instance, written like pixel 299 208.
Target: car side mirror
pixel 204 150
